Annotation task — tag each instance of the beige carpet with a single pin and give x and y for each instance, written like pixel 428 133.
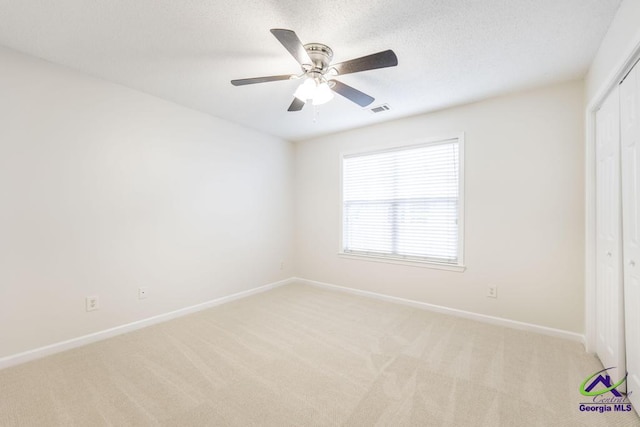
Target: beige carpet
pixel 302 356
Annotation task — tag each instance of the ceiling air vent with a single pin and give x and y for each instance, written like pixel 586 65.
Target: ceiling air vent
pixel 380 108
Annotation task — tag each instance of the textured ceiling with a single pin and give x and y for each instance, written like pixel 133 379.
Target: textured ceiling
pixel 449 51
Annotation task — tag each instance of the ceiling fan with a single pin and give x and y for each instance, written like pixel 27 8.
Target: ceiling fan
pixel 318 72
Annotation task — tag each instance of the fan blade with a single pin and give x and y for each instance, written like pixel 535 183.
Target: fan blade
pixel 242 82
pixel 369 62
pixel 296 105
pixel 360 98
pixel 292 43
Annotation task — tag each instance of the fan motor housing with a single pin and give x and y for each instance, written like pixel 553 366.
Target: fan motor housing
pixel 320 54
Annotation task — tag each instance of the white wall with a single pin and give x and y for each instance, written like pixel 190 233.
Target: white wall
pixel 622 37
pixel 524 209
pixel 104 189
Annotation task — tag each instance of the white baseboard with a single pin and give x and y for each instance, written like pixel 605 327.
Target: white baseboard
pixel 40 352
pixel 559 333
pixel 47 350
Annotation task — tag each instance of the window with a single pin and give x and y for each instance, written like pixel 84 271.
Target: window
pixel 404 204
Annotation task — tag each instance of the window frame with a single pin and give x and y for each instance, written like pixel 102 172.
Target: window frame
pixel 424 263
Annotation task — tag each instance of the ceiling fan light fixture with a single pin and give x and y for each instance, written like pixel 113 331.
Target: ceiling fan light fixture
pixel 318 92
pixel 306 90
pixel 323 94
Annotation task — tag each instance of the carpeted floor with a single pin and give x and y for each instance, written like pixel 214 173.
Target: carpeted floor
pixel 303 356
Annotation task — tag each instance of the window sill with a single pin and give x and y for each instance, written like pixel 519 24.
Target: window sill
pixel 410 263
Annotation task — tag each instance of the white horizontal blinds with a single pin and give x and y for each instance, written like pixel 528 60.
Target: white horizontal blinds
pixel 403 203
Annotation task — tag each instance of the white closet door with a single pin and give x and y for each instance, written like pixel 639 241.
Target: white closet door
pixel 610 345
pixel 630 143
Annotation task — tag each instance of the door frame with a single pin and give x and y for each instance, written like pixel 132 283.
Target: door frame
pixel 614 79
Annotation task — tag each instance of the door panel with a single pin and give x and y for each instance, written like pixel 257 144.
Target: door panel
pixel 610 339
pixel 630 141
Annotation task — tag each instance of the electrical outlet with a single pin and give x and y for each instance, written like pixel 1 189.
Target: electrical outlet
pixel 143 292
pixel 492 291
pixel 92 303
